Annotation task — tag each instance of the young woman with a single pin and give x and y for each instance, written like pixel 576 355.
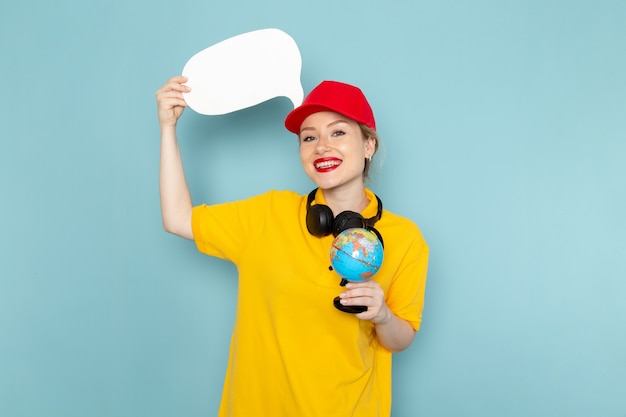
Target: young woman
pixel 292 353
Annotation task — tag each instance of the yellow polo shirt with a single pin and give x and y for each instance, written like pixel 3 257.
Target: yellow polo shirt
pixel 292 353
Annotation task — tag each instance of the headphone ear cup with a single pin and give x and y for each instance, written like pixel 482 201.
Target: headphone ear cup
pixel 319 220
pixel 348 220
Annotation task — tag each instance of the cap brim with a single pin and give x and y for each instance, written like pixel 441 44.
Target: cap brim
pixel 294 119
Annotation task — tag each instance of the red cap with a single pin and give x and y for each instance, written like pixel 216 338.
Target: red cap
pixel 341 98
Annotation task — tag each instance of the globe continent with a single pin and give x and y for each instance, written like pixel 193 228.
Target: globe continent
pixel 356 254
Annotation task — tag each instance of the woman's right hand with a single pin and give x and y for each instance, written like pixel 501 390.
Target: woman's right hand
pixel 170 101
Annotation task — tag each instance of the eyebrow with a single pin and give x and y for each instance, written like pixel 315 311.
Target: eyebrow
pixel 328 125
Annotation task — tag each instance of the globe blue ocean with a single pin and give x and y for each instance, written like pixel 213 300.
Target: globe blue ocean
pixel 356 254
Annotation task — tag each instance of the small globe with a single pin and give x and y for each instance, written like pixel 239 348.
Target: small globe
pixel 356 254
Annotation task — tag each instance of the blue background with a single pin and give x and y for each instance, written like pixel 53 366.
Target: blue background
pixel 504 130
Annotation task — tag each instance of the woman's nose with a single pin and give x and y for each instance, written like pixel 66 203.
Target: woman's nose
pixel 322 145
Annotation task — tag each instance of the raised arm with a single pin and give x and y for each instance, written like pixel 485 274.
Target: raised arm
pixel 176 205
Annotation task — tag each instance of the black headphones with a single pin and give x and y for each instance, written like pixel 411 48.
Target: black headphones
pixel 321 222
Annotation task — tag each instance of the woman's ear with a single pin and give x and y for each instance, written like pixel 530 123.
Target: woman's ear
pixel 370 147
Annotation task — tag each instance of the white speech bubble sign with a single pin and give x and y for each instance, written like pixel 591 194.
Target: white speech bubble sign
pixel 243 71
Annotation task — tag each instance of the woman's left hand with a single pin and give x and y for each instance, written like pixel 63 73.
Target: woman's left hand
pixel 368 294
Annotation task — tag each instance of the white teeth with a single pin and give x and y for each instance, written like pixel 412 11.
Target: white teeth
pixel 326 164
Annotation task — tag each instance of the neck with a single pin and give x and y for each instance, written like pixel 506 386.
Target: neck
pixel 353 199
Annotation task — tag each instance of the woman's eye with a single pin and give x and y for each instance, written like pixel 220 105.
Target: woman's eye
pixel 338 133
pixel 307 139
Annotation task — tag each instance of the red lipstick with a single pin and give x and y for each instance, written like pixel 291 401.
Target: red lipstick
pixel 326 164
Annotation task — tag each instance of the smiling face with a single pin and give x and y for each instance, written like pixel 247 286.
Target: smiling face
pixel 333 150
